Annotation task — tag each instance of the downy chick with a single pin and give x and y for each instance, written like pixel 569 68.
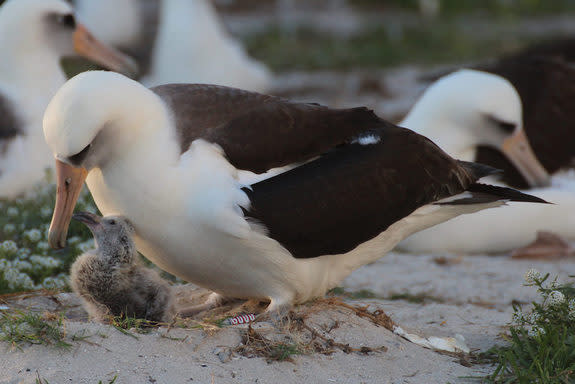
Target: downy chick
pixel 109 279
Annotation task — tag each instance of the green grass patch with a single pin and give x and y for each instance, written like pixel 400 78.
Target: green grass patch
pixel 493 8
pixel 129 325
pixel 425 43
pixel 284 351
pixel 354 295
pixel 541 343
pixel 418 298
pixel 21 328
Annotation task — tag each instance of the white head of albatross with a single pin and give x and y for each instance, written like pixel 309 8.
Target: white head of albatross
pixel 34 36
pixel 177 182
pixel 469 108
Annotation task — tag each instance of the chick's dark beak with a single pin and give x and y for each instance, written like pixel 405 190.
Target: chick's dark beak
pixel 90 219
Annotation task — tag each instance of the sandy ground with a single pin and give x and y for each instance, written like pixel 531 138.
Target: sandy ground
pixel 467 295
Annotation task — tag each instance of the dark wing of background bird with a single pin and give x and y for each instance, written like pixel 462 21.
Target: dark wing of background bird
pixel 547 90
pixel 9 124
pixel 559 48
pixel 143 48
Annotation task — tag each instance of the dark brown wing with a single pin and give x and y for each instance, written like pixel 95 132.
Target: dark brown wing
pixel 10 125
pixel 352 194
pixel 562 48
pixel 143 47
pixel 547 90
pixel 279 134
pixel 198 108
pixel 259 132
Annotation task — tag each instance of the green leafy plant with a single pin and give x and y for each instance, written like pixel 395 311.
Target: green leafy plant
pixel 541 346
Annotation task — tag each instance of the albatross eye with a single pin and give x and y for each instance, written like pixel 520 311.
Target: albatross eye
pixel 503 126
pixel 67 20
pixel 506 127
pixel 112 222
pixel 79 157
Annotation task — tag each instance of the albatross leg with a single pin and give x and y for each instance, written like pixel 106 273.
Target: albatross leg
pixel 213 301
pixel 276 312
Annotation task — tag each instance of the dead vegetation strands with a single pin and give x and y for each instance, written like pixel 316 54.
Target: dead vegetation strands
pixel 301 338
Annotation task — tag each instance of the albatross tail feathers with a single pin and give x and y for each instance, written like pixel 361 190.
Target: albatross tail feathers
pixel 478 170
pixel 478 193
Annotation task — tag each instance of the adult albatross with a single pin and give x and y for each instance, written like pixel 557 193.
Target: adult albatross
pixel 469 110
pixel 176 41
pixel 169 163
pixel 543 77
pixel 34 36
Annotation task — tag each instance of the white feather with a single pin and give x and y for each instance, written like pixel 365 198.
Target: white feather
pixel 367 140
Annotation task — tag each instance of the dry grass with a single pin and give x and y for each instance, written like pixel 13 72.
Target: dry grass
pixel 298 336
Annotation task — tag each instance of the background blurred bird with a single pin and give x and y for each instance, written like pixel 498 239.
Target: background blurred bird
pixel 34 36
pixel 176 41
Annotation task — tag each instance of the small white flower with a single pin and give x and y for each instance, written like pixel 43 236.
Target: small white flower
pixel 11 276
pixel 43 246
pixel 12 211
pixel 534 317
pixel 536 331
pixel 532 275
pixel 571 314
pixel 5 264
pixel 21 264
pixel 23 253
pixel 53 283
pixel 555 298
pixel 33 235
pixel 74 240
pixel 44 261
pixel 46 211
pixel 25 282
pixel 9 229
pixel 9 246
pixel 85 246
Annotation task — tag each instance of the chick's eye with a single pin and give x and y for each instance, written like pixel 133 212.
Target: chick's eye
pixel 112 222
pixel 67 20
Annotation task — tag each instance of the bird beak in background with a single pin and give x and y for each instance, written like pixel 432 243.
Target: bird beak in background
pixel 69 182
pixel 518 150
pixel 86 45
